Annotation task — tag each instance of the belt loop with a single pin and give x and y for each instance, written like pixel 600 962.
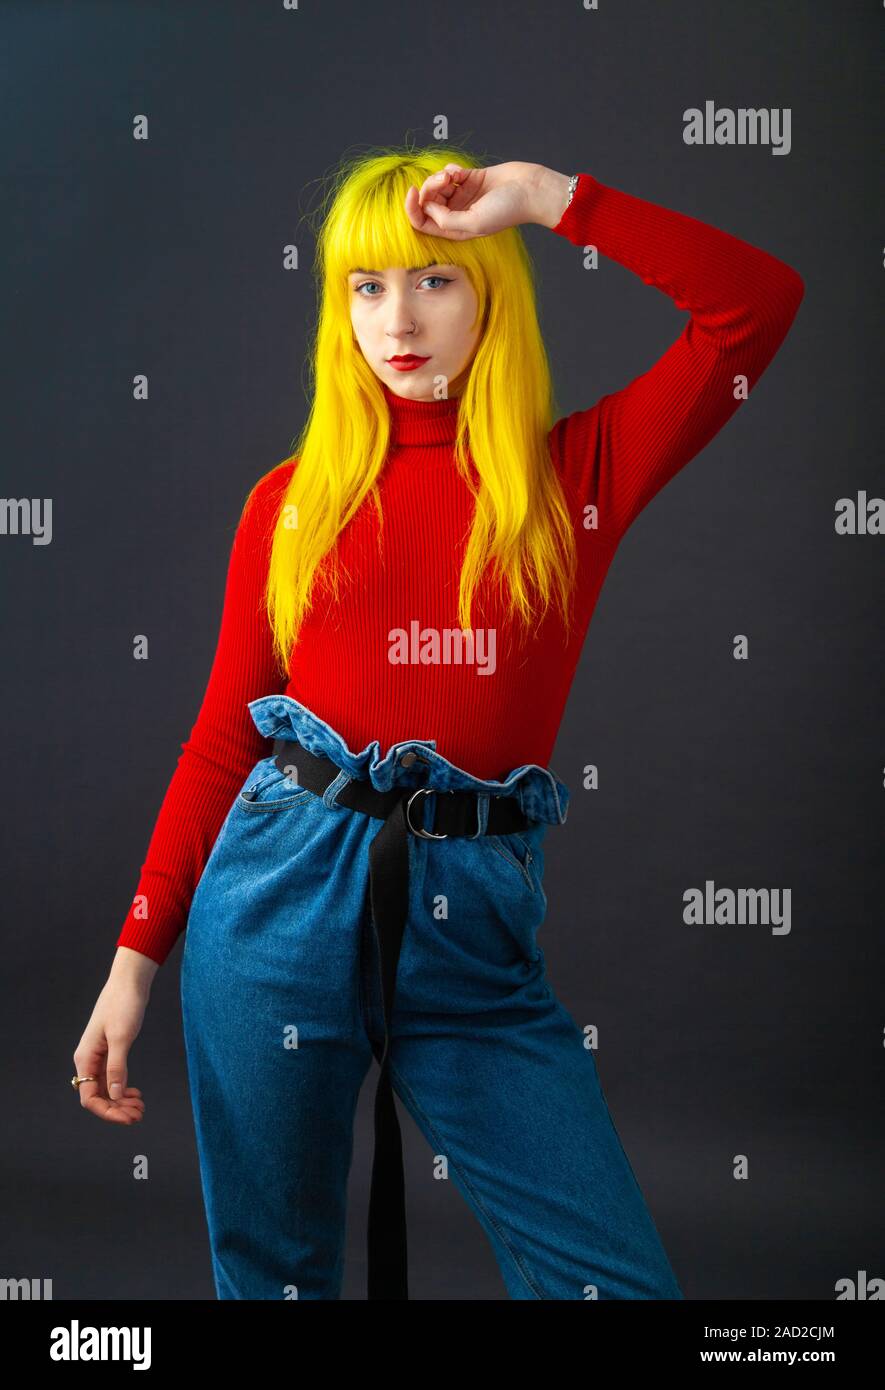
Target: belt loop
pixel 482 815
pixel 338 784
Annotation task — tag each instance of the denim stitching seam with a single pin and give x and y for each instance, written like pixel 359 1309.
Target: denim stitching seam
pixel 406 1090
pixel 495 844
pixel 253 807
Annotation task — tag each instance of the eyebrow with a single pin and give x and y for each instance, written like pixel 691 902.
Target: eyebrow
pixel 361 270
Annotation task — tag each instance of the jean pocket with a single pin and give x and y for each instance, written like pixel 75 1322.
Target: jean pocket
pixel 269 789
pixel 518 853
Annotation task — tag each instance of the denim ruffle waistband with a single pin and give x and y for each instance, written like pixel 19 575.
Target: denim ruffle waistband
pixel 541 795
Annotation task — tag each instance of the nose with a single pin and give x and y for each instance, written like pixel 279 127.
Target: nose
pixel 401 321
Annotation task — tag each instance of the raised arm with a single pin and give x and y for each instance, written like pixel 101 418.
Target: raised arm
pixel 620 452
pixel 224 743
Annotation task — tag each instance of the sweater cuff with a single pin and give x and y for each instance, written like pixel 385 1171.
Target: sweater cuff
pixel 155 934
pixel 573 223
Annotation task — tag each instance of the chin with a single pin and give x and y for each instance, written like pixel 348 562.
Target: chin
pixel 406 383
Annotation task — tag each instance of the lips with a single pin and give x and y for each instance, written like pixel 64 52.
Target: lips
pixel 407 362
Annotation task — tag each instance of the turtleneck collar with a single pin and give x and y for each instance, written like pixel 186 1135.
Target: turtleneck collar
pixel 421 422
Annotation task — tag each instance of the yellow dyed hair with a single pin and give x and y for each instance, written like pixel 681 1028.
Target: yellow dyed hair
pixel 521 524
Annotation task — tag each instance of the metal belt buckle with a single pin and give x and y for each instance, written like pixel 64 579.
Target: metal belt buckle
pixel 425 834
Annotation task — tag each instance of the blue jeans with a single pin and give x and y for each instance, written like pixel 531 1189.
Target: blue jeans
pixel 282 1016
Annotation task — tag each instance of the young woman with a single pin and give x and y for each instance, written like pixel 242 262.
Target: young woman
pixel 406 603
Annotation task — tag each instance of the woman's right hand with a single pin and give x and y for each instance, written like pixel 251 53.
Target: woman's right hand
pixel 104 1047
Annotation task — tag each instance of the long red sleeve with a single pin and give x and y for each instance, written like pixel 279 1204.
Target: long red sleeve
pixel 617 454
pixel 742 301
pixel 223 746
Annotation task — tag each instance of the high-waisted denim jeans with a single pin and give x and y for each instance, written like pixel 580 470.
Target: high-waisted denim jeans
pixel 282 1016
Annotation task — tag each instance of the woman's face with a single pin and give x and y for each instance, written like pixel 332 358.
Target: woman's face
pixel 427 313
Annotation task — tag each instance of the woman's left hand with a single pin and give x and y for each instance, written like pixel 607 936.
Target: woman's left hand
pixel 459 203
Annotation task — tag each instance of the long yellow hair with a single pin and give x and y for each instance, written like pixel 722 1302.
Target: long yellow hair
pixel 521 522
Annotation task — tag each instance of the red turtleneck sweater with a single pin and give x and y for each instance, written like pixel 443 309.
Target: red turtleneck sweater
pixel 618 454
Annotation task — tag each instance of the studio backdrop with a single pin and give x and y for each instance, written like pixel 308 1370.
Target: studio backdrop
pixel 714 897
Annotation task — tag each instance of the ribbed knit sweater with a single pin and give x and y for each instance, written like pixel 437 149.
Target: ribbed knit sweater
pixel 615 455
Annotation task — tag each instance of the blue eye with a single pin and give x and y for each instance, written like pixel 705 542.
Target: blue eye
pixel 367 284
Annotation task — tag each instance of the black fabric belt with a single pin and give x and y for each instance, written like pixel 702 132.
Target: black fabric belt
pixel 401 809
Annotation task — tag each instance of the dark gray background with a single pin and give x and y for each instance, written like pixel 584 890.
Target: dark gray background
pixel 122 257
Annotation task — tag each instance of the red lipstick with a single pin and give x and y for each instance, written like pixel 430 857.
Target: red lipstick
pixel 407 362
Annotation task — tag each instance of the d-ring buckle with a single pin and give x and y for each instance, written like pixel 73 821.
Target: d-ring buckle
pixel 425 834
